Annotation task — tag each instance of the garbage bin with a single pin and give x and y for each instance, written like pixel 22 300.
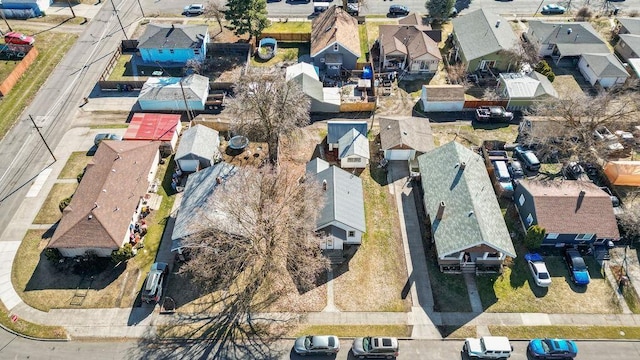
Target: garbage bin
pixel 616 10
pixel 624 281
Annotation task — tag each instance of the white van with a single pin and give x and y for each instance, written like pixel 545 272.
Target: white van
pixel 488 347
pixel 501 171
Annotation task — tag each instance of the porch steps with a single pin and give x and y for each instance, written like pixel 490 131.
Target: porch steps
pixel 468 268
pixel 336 257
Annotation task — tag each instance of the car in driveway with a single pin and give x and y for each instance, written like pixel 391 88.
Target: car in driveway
pixel 375 347
pixel 14 37
pixel 515 170
pixel 153 286
pixel 528 158
pixel 538 269
pixel 105 136
pixel 398 10
pixel 193 9
pixel 553 9
pixel 577 268
pixel 552 349
pixel 317 345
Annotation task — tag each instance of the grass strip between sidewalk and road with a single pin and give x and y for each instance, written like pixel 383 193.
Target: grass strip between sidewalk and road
pixel 566 332
pixel 356 330
pixel 30 329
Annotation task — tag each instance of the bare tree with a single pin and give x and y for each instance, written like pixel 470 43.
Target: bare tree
pixel 629 220
pixel 267 106
pixel 258 242
pixel 526 52
pixel 215 9
pixel 490 94
pixel 575 118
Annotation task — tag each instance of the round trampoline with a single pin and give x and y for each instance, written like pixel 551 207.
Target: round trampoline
pixel 238 142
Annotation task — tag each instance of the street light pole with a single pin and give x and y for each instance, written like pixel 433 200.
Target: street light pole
pixel 42 137
pixel 118 16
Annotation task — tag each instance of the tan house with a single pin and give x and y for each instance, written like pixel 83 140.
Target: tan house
pixel 108 200
pixel 335 41
pixel 408 48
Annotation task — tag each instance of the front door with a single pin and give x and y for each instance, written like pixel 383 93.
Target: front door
pixel 329 244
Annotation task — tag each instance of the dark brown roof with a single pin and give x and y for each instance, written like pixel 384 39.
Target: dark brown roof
pixel 560 209
pixel 407 40
pixel 335 25
pixel 100 212
pixel 415 19
pixel 444 92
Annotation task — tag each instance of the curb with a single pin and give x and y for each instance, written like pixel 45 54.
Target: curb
pixel 34 338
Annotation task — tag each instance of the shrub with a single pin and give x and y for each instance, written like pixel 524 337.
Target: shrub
pixel 64 203
pixel 543 68
pixel 535 235
pixel 52 255
pixel 123 254
pixel 79 177
pixel 584 13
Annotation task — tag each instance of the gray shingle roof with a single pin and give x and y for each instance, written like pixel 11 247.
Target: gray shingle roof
pixel 478 34
pixel 172 37
pixel 632 41
pixel 472 215
pixel 406 132
pixel 199 141
pixel 605 65
pixel 353 143
pixel 572 39
pixel 198 201
pixel 194 87
pixel 344 199
pixel 337 129
pixel 631 24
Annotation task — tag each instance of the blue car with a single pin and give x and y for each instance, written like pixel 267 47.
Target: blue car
pixel 553 349
pixel 577 268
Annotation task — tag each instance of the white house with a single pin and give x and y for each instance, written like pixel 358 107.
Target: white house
pixel 442 98
pixel 353 150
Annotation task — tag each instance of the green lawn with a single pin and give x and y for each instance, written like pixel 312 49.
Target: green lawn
pixel 566 332
pixel 287 51
pixel 364 42
pixel 449 290
pixel 6 67
pixel 52 46
pixel 291 27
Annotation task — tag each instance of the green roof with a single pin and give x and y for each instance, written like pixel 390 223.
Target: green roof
pixel 472 215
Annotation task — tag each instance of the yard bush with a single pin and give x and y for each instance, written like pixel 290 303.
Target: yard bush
pixel 543 68
pixel 81 175
pixel 584 14
pixel 123 254
pixel 64 203
pixel 52 255
pixel 535 235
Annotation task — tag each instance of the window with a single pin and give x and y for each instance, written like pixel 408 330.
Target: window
pixel 521 199
pixel 196 51
pixel 550 47
pixel 584 236
pixel 159 51
pixel 352 160
pixel 351 233
pixel 552 236
pixel 171 51
pixel 336 47
pixel 529 220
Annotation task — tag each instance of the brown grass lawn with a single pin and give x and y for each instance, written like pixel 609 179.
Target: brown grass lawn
pixel 373 29
pixel 30 329
pixel 43 286
pixel 567 332
pixel 458 332
pixel 6 67
pixel 470 136
pixel 355 330
pixel 75 165
pixel 50 211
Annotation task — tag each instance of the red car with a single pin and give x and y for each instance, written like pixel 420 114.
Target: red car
pixel 18 38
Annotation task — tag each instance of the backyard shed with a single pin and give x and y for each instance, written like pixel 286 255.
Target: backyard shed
pixel 337 129
pixel 174 94
pixel 353 150
pixel 155 127
pixel 199 148
pixel 402 138
pixel 442 98
pixel 623 172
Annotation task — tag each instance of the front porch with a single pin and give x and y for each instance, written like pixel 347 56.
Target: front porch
pixel 470 262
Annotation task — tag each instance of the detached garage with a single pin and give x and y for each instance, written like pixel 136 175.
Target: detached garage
pixel 604 69
pixel 174 93
pixel 442 98
pixel 199 148
pixel 402 138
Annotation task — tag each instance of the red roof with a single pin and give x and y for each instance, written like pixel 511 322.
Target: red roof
pixel 152 127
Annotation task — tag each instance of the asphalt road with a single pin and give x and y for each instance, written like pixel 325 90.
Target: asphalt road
pixel 301 9
pixel 12 347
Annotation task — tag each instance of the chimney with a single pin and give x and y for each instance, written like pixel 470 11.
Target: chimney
pixel 582 193
pixel 218 180
pixel 569 31
pixel 463 165
pixel 440 212
pixel 173 26
pixel 324 185
pixel 498 23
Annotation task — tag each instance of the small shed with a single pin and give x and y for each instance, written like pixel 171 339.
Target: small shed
pixel 155 127
pixel 625 173
pixel 353 150
pixel 442 98
pixel 174 93
pixel 337 129
pixel 199 148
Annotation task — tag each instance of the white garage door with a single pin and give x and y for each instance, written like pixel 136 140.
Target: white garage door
pixel 398 154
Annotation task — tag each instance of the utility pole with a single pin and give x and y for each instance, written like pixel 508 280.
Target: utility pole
pixel 5 20
pixel 71 8
pixel 118 16
pixel 42 137
pixel 142 11
pixel 186 104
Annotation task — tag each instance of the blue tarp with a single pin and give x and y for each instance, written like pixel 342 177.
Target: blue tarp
pixel 533 257
pixel 367 73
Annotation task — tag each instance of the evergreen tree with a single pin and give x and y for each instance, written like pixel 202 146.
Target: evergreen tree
pixel 440 10
pixel 247 16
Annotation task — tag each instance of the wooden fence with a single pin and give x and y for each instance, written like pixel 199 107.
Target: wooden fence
pixel 113 61
pixel 298 37
pixel 472 104
pixel 14 76
pixel 359 106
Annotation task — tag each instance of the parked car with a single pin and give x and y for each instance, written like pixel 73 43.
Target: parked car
pixel 398 10
pixel 375 347
pixel 575 171
pixel 528 158
pixel 14 37
pixel 502 175
pixel 577 268
pixel 153 286
pixel 515 170
pixel 193 9
pixel 317 345
pixel 552 349
pixel 487 347
pixel 104 136
pixel 493 114
pixel 538 269
pixel 553 9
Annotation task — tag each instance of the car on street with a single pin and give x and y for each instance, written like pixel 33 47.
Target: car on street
pixel 553 9
pixel 487 347
pixel 398 10
pixel 538 269
pixel 375 347
pixel 193 9
pixel 552 349
pixel 528 158
pixel 17 38
pixel 317 345
pixel 153 286
pixel 105 136
pixel 577 268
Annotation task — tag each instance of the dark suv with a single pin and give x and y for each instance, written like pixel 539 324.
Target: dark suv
pixel 152 291
pixel 528 158
pixel 375 347
pixel 398 10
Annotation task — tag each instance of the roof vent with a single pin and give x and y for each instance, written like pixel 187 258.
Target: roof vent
pixel 440 212
pixel 569 31
pixel 104 190
pixel 324 185
pixel 463 165
pixel 89 217
pixel 498 23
